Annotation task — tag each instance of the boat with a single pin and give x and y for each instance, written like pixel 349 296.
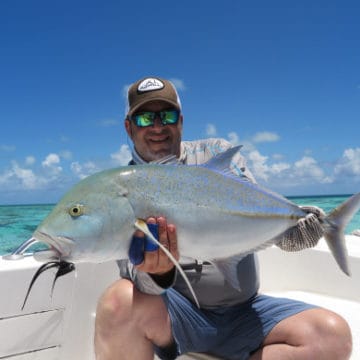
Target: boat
pixel 59 325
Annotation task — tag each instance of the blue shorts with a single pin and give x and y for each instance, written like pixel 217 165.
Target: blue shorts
pixel 231 333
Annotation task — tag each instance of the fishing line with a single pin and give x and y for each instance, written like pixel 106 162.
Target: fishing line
pixel 142 226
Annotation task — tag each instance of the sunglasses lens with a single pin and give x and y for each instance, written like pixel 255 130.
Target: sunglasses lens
pixel 169 117
pixel 144 119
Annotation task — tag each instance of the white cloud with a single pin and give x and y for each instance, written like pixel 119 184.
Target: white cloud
pixel 211 130
pixel 50 160
pixel 83 170
pixel 50 164
pixel 265 136
pixel 277 157
pixel 307 169
pixel 304 171
pixel 122 156
pixel 18 178
pixel 349 163
pixel 30 160
pixel 259 167
pixel 26 176
pixel 280 167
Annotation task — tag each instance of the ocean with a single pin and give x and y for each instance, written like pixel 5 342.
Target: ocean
pixel 17 222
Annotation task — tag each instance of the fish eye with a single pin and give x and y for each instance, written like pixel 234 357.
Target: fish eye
pixel 76 210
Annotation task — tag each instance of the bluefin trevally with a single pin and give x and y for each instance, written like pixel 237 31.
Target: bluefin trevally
pixel 219 216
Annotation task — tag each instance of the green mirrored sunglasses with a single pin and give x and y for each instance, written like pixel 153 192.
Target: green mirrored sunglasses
pixel 147 118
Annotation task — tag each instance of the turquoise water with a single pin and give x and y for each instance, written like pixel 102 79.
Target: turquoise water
pixel 17 222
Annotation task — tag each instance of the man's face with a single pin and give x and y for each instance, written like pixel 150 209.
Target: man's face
pixel 156 141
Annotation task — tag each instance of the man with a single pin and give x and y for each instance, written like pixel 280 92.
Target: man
pixel 150 310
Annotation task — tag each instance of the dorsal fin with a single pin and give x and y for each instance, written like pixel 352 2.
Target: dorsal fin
pixel 221 162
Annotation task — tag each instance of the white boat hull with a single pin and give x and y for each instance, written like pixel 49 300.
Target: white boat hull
pixel 61 326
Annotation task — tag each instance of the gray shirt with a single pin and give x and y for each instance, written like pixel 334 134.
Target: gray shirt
pixel 210 286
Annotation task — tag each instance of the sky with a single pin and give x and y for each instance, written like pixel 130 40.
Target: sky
pixel 282 78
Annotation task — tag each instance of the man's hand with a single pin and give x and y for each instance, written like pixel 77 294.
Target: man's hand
pixel 306 233
pixel 157 262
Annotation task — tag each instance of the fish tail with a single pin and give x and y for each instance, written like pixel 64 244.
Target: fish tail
pixel 335 224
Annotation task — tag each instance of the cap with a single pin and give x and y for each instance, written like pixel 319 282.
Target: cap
pixel 151 89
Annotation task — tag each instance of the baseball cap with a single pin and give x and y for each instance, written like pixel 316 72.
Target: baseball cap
pixel 151 89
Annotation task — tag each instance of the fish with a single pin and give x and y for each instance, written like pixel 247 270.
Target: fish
pixel 219 216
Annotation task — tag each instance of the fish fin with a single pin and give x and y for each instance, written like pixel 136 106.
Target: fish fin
pixel 221 162
pixel 335 224
pixel 142 226
pixel 46 255
pixel 228 266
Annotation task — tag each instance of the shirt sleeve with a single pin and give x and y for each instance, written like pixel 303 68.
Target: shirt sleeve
pixel 143 281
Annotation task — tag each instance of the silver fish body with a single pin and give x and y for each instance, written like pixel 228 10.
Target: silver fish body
pixel 218 215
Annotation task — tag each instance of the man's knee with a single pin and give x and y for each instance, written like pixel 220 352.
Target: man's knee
pixel 115 304
pixel 338 335
pixel 328 336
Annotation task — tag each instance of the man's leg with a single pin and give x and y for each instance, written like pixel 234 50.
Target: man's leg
pixel 128 322
pixel 312 334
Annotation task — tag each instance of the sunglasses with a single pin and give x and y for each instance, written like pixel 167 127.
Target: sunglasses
pixel 147 118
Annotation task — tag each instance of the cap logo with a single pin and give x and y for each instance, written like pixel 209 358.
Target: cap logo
pixel 150 84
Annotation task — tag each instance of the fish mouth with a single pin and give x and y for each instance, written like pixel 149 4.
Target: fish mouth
pixel 61 244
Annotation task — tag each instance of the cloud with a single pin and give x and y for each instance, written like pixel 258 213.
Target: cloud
pixel 277 157
pixel 50 160
pixel 265 136
pixel 51 164
pixel 307 169
pixel 83 170
pixel 304 171
pixel 18 178
pixel 26 176
pixel 349 163
pixel 258 165
pixel 30 160
pixel 211 130
pixel 122 156
pixel 279 168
